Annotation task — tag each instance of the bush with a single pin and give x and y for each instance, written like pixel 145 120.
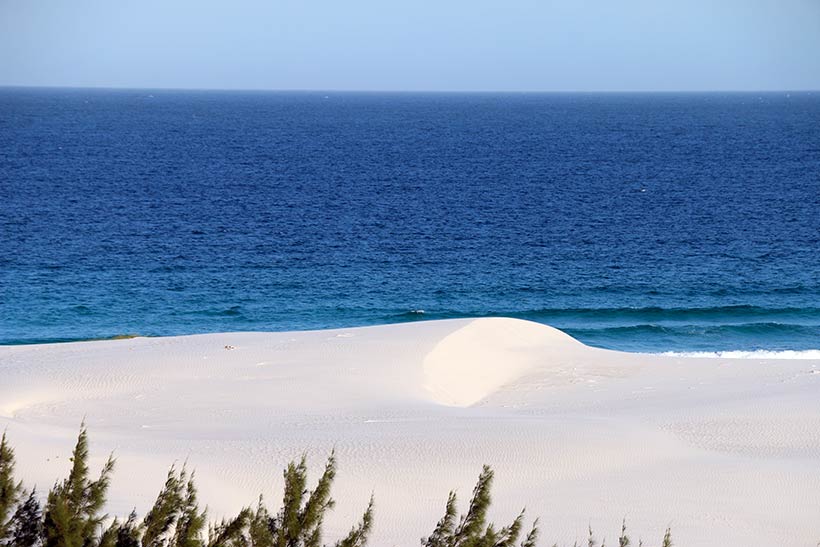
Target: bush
pixel 470 529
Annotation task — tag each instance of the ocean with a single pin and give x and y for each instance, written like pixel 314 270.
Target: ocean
pixel 637 222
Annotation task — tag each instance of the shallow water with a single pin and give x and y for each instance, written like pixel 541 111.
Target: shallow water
pixel 641 222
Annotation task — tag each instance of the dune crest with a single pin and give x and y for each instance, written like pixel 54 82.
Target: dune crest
pixel 473 362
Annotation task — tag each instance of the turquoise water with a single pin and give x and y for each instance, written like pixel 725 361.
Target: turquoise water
pixel 641 222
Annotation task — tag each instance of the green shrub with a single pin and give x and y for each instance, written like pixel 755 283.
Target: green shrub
pixel 471 529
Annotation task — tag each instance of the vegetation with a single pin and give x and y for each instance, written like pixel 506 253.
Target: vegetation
pixel 471 530
pixel 73 517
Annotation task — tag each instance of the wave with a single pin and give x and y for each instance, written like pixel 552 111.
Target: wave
pixel 233 311
pixel 639 315
pixel 412 313
pixel 706 330
pixel 62 340
pixel 655 329
pixel 747 337
pixel 737 354
pixel 650 314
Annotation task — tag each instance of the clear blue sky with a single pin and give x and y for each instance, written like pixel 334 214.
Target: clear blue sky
pixel 547 45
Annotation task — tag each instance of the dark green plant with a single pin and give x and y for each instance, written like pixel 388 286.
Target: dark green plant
pixel 175 519
pixel 122 534
pixel 158 525
pixel 358 534
pixel 10 490
pixel 231 533
pixel 623 541
pixel 72 514
pixel 471 529
pixel 27 523
pixel 191 521
pixel 591 538
pixel 667 538
pixel 299 522
pixel 259 532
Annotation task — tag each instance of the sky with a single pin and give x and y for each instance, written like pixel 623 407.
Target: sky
pixel 413 45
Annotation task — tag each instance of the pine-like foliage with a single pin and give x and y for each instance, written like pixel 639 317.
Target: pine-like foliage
pixel 259 529
pixel 26 524
pixel 72 516
pixel 175 519
pixel 299 521
pixel 623 541
pixel 231 533
pixel 445 529
pixel 158 526
pixel 122 534
pixel 532 537
pixel 191 521
pixel 9 489
pixel 359 534
pixel 472 529
pixel 591 538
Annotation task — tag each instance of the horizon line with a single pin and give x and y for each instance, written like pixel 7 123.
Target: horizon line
pixel 408 91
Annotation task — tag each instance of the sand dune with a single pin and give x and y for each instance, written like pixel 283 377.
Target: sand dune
pixel 726 451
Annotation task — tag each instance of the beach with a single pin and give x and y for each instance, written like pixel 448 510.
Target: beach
pixel 724 451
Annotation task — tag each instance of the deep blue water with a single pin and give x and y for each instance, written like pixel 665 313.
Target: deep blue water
pixel 645 222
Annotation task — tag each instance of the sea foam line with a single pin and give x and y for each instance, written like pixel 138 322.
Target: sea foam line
pixel 756 354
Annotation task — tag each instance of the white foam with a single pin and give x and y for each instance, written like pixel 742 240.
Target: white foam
pixel 756 354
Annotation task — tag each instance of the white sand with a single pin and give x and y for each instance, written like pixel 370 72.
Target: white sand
pixel 726 451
